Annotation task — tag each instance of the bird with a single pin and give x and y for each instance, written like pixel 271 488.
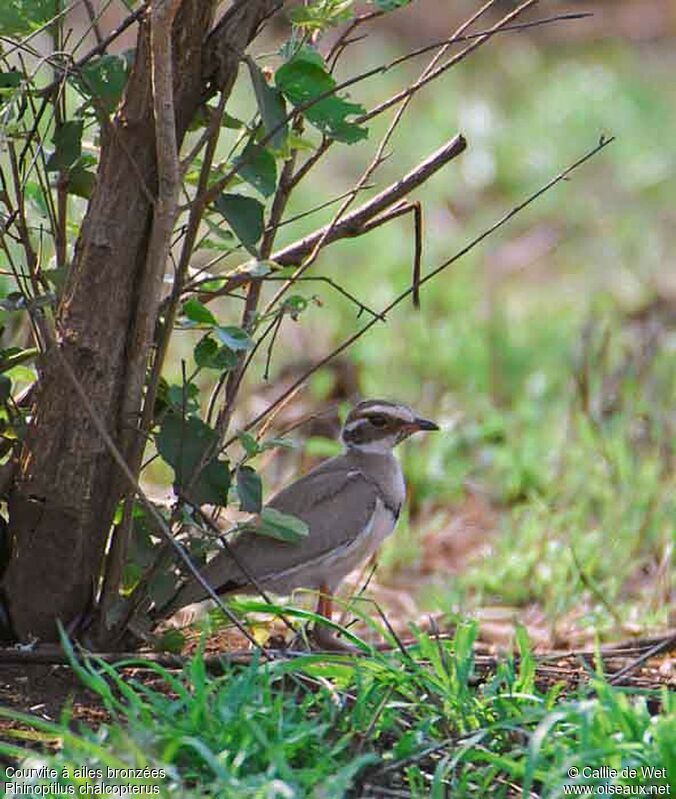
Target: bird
pixel 350 504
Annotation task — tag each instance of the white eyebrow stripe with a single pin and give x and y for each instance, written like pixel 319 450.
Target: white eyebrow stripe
pixel 385 410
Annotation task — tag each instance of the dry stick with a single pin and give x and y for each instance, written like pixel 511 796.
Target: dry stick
pixel 51 654
pixel 353 224
pixel 665 645
pixel 152 510
pixel 417 255
pixel 404 294
pixel 192 230
pixel 94 21
pixel 377 158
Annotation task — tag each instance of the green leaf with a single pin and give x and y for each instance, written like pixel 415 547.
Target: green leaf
pixel 5 388
pixel 10 80
pixel 103 80
pixel 282 526
pixel 249 489
pixel 321 14
pixel 245 217
pixel 198 312
pixel 182 443
pixel 162 588
pixel 295 305
pixel 249 443
pixel 15 356
pixel 208 355
pixel 302 80
pixel 171 641
pixel 231 122
pixel 186 395
pixel 234 338
pixel 257 167
pixel 81 181
pixel 68 146
pixel 300 143
pixel 57 277
pixel 271 107
pixel 18 17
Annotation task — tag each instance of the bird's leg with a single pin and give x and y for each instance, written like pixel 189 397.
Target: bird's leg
pixel 325 603
pixel 323 636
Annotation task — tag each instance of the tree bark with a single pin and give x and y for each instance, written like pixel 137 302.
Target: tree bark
pixel 64 498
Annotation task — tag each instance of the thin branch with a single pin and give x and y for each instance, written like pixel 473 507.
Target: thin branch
pixel 94 20
pixel 503 26
pixel 603 143
pixel 375 161
pixel 192 229
pixel 362 308
pixel 417 254
pixel 354 223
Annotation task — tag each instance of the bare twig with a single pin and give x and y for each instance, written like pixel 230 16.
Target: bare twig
pixel 354 223
pixel 603 143
pixel 662 646
pixel 326 232
pixel 93 21
pixel 503 26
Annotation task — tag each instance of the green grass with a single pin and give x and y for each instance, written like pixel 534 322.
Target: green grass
pixel 315 726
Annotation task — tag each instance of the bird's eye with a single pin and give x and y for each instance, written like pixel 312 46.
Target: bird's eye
pixel 377 420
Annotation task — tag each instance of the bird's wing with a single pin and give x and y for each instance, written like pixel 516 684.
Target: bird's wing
pixel 336 504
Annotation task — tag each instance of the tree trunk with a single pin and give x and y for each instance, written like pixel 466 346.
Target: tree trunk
pixel 64 498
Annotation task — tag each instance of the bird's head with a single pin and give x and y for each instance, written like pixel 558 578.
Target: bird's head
pixel 379 425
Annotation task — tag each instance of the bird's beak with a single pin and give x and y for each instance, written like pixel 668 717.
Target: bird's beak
pixel 424 424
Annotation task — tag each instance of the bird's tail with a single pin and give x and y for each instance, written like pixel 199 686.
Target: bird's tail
pixel 221 573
